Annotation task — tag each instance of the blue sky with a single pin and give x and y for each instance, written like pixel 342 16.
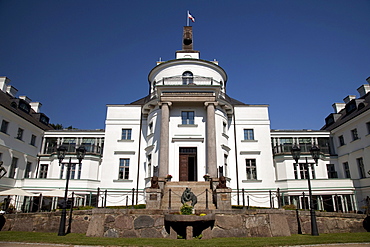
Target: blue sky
pixel 77 56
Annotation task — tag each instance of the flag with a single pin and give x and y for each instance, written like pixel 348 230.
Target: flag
pixel 191 17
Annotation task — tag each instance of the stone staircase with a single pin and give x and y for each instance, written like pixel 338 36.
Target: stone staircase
pixel 177 188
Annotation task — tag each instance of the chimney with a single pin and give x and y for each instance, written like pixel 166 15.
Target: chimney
pixel 11 90
pixel 4 81
pixel 338 107
pixel 364 89
pixel 25 98
pixel 36 106
pixel 349 98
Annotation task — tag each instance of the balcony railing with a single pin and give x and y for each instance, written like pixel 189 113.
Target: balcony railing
pixel 305 148
pixel 71 148
pixel 181 81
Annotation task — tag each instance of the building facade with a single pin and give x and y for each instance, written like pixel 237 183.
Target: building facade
pixel 349 126
pixel 188 129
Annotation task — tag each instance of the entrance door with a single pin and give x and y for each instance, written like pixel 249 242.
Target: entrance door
pixel 188 164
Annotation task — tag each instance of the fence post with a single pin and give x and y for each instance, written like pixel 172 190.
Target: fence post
pixel 278 197
pixel 133 198
pixel 304 201
pixel 298 222
pixel 105 198
pixel 243 198
pixel 206 198
pixel 97 198
pixel 248 201
pixel 270 199
pixel 169 199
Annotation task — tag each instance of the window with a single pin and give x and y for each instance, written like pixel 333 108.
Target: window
pixel 341 140
pixel 43 171
pixel 13 167
pixel 187 78
pixel 126 134
pixel 187 117
pixel 4 126
pixel 33 140
pixel 150 128
pixel 20 134
pixel 224 128
pixel 248 134
pixel 225 165
pixel 313 173
pixel 295 171
pixel 73 171
pixel 361 168
pixel 27 172
pixel 331 171
pixel 70 144
pixel 347 173
pixel 149 160
pixel 251 169
pixel 303 171
pixel 124 168
pixel 79 171
pixel 24 106
pixel 354 134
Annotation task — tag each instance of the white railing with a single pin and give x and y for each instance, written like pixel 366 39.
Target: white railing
pixel 182 81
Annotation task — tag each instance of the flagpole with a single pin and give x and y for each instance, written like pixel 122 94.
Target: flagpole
pixel 187 18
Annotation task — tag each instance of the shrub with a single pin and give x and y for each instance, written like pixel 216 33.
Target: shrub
pixel 186 209
pixel 290 207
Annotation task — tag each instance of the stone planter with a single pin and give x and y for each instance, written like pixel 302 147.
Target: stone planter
pixel 189 226
pixel 188 218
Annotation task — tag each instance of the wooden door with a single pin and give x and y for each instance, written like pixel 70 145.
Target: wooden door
pixel 188 164
pixel 183 169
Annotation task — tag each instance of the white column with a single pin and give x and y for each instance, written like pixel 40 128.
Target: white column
pixel 164 139
pixel 211 139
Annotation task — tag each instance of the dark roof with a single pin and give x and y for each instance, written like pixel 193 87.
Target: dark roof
pixel 353 109
pixel 12 104
pixel 141 101
pixel 233 101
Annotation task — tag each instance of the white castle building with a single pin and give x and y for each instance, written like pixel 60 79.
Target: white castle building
pixel 189 128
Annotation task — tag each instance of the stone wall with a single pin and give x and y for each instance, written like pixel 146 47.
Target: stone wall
pixel 146 223
pixel 46 222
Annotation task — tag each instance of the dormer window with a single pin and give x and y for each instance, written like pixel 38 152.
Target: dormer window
pixel 24 106
pixel 187 78
pixel 44 119
pixel 350 107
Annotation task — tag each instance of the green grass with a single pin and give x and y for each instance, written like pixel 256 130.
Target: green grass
pixel 81 239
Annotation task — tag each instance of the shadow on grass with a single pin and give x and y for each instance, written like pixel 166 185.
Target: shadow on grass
pixel 81 239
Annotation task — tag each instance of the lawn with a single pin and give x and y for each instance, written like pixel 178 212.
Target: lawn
pixel 81 239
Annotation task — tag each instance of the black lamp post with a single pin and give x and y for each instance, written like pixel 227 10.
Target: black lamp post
pixel 315 153
pixel 61 151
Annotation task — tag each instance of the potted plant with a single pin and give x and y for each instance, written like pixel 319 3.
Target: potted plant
pixel 206 177
pixel 168 177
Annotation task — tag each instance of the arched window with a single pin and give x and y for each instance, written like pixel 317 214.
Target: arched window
pixel 187 78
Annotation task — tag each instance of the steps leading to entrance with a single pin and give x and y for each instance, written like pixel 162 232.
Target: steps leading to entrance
pixel 177 188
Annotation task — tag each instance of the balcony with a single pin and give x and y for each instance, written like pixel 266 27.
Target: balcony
pixel 71 148
pixel 305 149
pixel 188 81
